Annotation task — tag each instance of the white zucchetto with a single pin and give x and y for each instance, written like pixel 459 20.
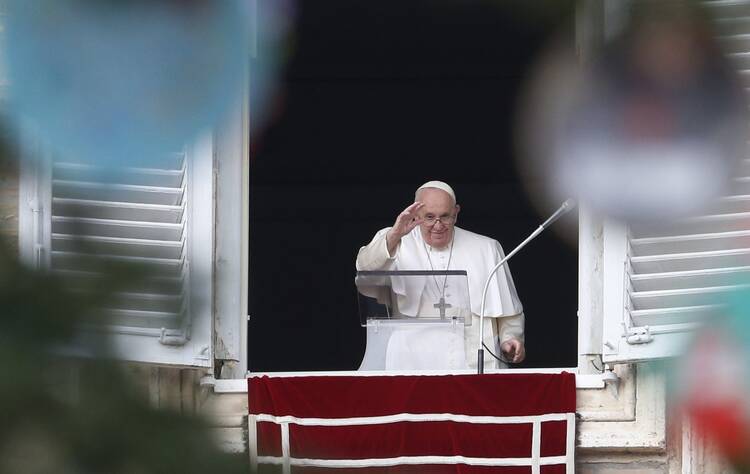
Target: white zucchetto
pixel 438 185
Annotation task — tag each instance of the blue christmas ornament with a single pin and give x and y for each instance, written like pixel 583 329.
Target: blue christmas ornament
pixel 123 82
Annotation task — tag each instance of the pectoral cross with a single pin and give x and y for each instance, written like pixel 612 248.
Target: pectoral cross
pixel 442 305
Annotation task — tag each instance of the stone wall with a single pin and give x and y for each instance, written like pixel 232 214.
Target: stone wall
pixel 180 390
pixel 170 388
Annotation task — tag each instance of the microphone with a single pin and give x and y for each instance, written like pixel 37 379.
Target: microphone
pixel 567 206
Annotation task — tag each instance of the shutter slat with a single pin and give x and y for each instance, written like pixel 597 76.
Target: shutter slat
pixel 727 9
pixel 740 186
pixel 689 279
pixel 679 315
pixel 117 246
pixel 690 243
pixel 734 204
pixel 86 208
pixel 662 299
pixel 117 228
pixel 147 302
pixel 691 261
pixel 728 26
pixel 77 172
pixel 166 161
pixel 144 319
pixel 117 192
pixel 735 43
pixel 163 267
pixel 82 280
pixel 708 224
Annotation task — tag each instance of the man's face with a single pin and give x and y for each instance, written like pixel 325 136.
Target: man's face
pixel 437 204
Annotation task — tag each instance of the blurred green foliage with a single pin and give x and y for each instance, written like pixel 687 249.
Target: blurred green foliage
pixel 94 423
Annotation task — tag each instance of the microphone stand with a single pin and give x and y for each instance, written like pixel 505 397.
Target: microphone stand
pixel 566 206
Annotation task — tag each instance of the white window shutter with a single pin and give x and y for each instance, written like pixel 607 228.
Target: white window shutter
pixel 159 217
pixel 652 301
pixel 659 285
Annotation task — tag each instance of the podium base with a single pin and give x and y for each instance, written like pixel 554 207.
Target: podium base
pixel 415 347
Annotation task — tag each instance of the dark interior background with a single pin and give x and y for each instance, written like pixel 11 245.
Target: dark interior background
pixel 377 98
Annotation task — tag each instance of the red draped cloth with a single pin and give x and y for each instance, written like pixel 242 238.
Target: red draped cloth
pixel 503 423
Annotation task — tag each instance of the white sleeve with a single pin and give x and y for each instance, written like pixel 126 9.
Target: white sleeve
pixel 375 256
pixel 510 327
pixel 502 298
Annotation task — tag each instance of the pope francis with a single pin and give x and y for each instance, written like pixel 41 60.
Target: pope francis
pixel 425 237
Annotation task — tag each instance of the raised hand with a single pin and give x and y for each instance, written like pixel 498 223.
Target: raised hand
pixel 407 220
pixel 405 223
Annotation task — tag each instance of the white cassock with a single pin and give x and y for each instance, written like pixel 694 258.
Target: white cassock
pixel 432 348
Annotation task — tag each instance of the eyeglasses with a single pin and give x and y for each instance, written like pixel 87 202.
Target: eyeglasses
pixel 445 220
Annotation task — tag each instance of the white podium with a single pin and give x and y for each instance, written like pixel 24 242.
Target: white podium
pixel 415 319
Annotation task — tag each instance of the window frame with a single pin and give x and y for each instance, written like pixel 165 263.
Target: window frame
pixel 231 267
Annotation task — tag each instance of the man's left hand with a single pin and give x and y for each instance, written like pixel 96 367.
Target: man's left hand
pixel 513 350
